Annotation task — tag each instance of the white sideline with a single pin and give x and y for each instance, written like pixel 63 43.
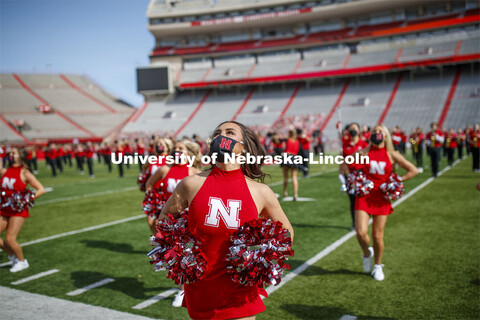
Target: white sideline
pixel 84 196
pixel 69 233
pixel 83 230
pixel 35 276
pixel 346 237
pixel 90 286
pixel 348 317
pixel 152 300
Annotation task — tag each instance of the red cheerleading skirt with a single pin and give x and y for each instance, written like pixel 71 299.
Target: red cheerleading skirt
pixel 10 213
pixel 374 204
pixel 221 298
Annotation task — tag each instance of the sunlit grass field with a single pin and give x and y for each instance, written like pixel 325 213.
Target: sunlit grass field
pixel 431 258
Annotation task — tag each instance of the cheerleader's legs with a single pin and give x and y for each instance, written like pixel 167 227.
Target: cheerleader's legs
pixel 285 180
pixel 295 183
pixel 378 228
pixel 14 226
pixel 361 227
pixel 3 245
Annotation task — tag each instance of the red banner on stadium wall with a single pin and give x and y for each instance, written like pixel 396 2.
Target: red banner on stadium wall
pixel 253 17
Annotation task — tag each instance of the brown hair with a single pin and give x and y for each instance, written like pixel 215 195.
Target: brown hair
pixel 22 153
pixel 252 145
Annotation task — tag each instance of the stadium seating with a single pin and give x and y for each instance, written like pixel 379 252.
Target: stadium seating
pixel 80 109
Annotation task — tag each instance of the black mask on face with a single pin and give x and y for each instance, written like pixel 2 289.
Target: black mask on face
pixel 376 138
pixel 160 149
pixel 353 133
pixel 222 145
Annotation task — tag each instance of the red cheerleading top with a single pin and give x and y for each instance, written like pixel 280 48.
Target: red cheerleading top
pixel 11 182
pixel 349 148
pixel 220 207
pixel 378 170
pixel 292 146
pixel 172 178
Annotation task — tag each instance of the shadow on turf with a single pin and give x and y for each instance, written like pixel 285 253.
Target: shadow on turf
pixel 130 286
pixel 116 247
pixel 301 311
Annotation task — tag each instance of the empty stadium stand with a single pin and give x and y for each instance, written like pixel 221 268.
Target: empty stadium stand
pixel 79 108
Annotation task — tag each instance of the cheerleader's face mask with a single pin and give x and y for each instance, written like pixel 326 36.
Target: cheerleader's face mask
pixel 222 145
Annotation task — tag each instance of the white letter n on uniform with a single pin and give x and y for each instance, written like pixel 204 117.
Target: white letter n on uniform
pixel 228 213
pixel 377 167
pixel 8 183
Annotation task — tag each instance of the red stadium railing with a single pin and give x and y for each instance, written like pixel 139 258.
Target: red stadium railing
pixel 398 66
pixel 362 32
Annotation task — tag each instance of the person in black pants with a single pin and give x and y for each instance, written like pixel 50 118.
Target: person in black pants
pixel 435 139
pixel 89 151
pixel 451 145
pixel 474 142
pixel 461 138
pixel 417 139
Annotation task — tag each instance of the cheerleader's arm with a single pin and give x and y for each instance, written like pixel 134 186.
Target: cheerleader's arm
pixel 33 181
pixel 159 174
pixel 272 209
pixel 177 202
pixel 412 171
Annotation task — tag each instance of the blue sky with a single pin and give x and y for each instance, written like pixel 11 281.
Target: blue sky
pixel 103 39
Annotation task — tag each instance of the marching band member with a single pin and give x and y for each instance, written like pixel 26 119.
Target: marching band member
pixel 474 143
pixel 435 139
pixel 451 145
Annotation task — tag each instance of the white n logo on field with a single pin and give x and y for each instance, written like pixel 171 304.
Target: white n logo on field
pixel 172 184
pixel 228 213
pixel 377 167
pixel 8 183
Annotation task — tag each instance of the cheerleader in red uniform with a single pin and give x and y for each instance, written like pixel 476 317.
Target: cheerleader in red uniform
pixel 171 175
pixel 220 200
pixel 382 159
pixel 351 145
pixel 15 178
pixel 163 148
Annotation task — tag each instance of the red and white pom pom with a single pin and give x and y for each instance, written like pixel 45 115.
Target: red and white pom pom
pixel 258 252
pixel 177 251
pixel 142 181
pixel 153 202
pixel 19 201
pixel 393 189
pixel 358 184
pixel 4 201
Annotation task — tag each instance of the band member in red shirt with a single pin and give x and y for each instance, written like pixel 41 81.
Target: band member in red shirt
pixel 474 142
pixel 292 146
pixel 305 141
pixel 106 152
pixel 171 176
pixel 89 151
pixel 468 131
pixel 435 139
pixel 397 138
pixel 365 133
pixel 278 144
pixel 382 160
pixel 416 140
pixel 208 195
pixel 52 158
pixel 351 145
pixel 16 178
pixel 127 151
pixel 451 145
pixel 461 139
pixel 59 160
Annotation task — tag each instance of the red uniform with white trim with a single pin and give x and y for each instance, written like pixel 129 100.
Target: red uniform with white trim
pixel 221 206
pixel 11 182
pixel 172 178
pixel 377 171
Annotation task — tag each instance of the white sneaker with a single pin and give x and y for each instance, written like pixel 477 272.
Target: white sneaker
pixel 177 301
pixel 377 272
pixel 420 170
pixel 367 261
pixel 19 266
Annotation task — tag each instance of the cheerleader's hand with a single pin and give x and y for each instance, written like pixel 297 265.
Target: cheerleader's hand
pixel 343 188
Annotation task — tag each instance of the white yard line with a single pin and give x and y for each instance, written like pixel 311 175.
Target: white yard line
pixel 108 224
pixel 346 237
pixel 154 299
pixel 348 317
pixel 84 196
pixel 9 263
pixel 35 276
pixel 90 286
